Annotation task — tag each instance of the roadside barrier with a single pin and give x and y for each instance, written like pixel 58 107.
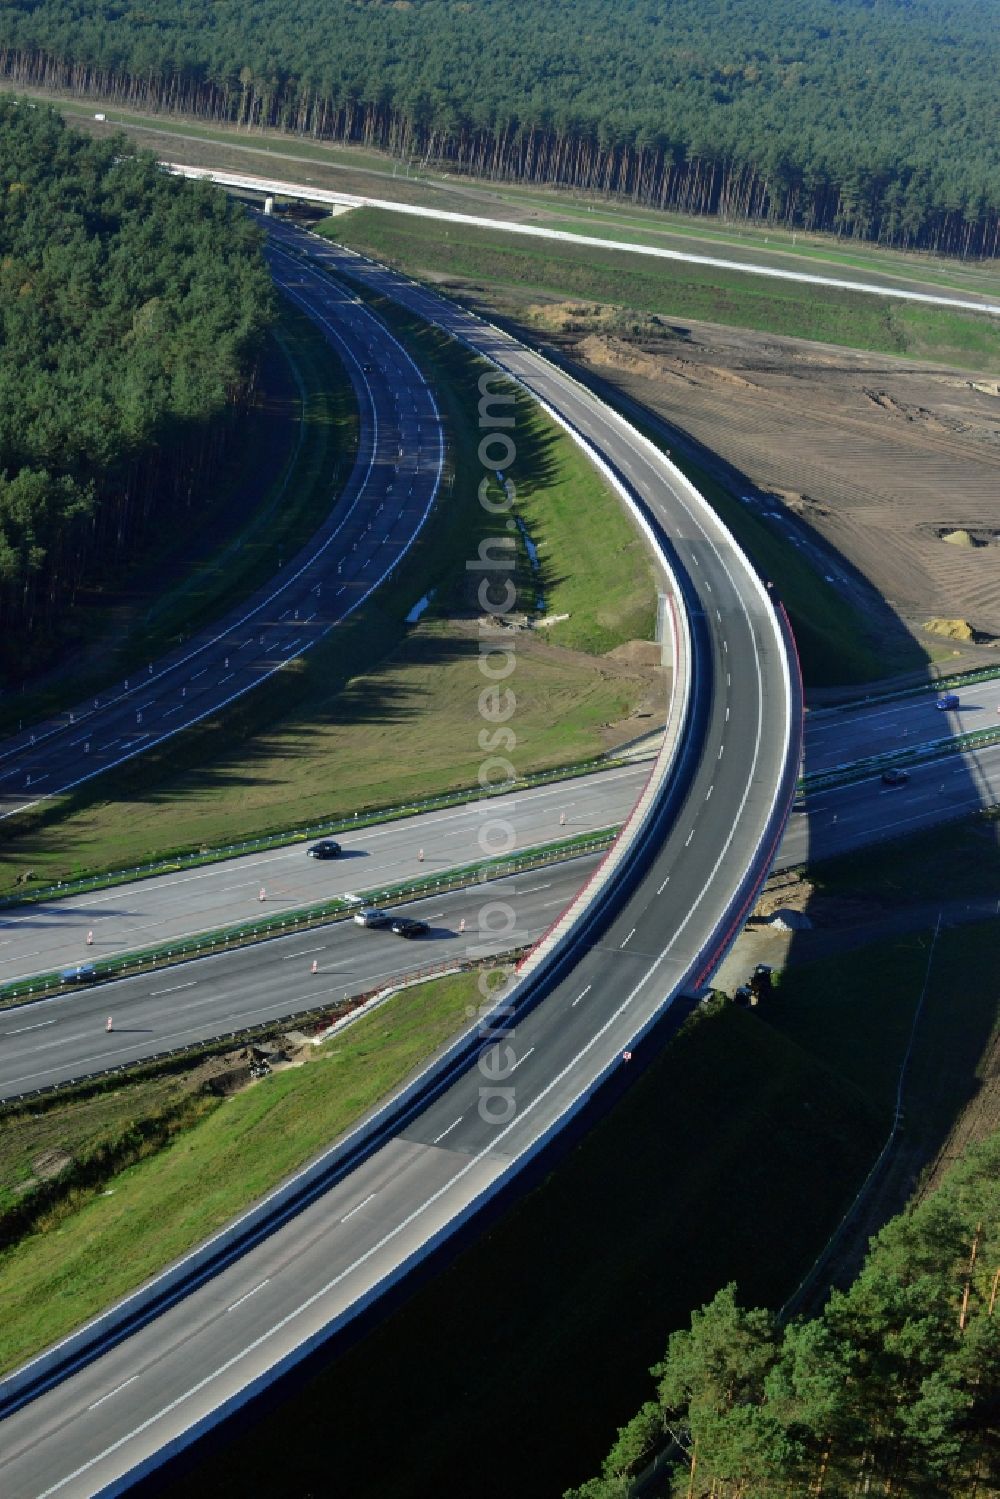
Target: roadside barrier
pixel 934 749
pixel 937 685
pixel 175 863
pixel 338 908
pixel 323 1020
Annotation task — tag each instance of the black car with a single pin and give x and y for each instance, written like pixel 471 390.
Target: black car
pixel 409 926
pixel 326 848
pixel 82 973
pixel 895 777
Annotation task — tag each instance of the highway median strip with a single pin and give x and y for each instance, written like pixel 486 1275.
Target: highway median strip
pixel 935 749
pixel 938 685
pixel 337 908
pixel 175 863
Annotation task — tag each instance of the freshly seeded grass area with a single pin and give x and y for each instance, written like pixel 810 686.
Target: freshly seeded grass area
pixel 148 1215
pixel 382 713
pixel 850 319
pixel 706 1169
pixel 766 246
pixel 835 642
pixel 592 563
pixel 282 155
pixel 285 461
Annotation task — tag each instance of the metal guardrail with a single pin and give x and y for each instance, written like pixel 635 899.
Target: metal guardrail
pixel 934 749
pixel 108 1330
pixel 245 934
pixel 318 1017
pixel 175 863
pixel 939 684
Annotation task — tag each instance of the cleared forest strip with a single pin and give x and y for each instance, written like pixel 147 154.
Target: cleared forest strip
pixel 632 111
pixel 794 305
pixel 372 174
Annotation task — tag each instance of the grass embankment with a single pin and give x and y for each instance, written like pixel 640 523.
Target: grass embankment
pixel 281 155
pixel 57 1150
pixel 707 1164
pixel 733 1158
pixel 289 455
pixel 381 713
pixel 758 244
pixel 852 319
pixel 101 1242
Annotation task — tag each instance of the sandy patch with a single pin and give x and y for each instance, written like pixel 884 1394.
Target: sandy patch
pixel 881 456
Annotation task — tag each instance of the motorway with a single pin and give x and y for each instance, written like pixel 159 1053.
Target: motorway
pixel 51 935
pixel 432 1167
pixel 56 1040
pixel 65 1037
pixel 840 736
pixel 564 1034
pixel 372 524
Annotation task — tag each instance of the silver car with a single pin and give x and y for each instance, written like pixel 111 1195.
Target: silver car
pixel 372 916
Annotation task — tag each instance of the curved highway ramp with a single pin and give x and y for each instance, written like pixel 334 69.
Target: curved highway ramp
pixel 109 1404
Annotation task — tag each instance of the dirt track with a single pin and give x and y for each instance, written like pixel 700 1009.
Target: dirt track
pixel 882 456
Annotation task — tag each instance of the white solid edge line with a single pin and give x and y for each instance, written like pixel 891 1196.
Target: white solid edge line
pixel 770 614
pixel 151 743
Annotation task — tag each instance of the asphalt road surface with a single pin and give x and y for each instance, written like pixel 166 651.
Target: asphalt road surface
pixel 53 934
pixel 372 524
pixel 567 1035
pixel 873 282
pixel 57 1040
pixel 66 1037
pixel 842 735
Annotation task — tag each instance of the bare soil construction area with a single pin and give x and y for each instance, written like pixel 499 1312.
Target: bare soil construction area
pixel 895 464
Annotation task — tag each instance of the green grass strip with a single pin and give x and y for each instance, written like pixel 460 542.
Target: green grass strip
pixel 172 863
pixel 849 319
pixel 163 1206
pixel 244 934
